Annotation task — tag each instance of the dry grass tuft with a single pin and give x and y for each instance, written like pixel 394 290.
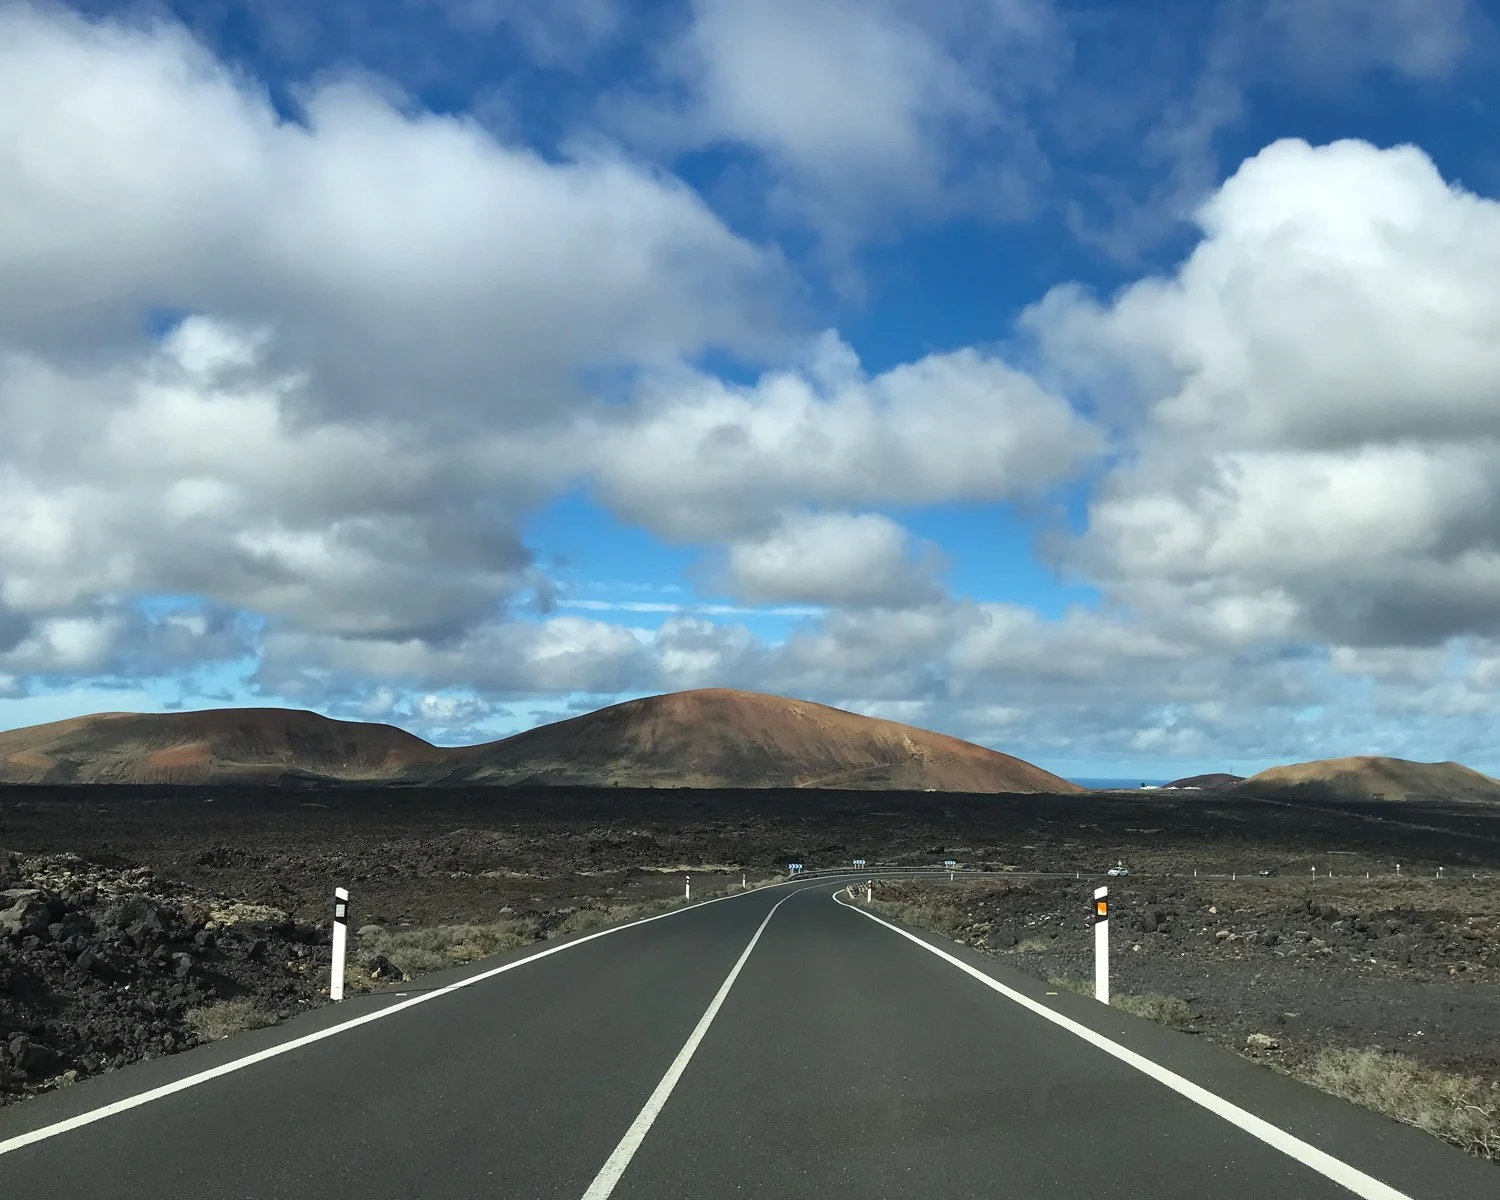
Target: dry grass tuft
pixel 926 914
pixel 1457 1108
pixel 1066 983
pixel 214 1021
pixel 1164 1010
pixel 420 951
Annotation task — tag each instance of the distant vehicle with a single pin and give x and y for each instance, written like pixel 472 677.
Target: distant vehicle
pixel 1267 871
pixel 1119 869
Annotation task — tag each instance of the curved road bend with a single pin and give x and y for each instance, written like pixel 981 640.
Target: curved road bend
pixel 843 1059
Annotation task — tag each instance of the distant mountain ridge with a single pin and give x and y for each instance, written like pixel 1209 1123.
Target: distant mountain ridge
pixel 1213 782
pixel 712 738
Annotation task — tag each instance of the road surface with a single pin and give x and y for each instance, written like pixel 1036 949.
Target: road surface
pixel 776 1043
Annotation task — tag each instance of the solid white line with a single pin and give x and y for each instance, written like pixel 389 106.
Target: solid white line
pixel 1325 1164
pixel 609 1174
pixel 167 1089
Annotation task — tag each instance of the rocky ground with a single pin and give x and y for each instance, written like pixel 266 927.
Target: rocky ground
pixel 128 911
pixel 102 966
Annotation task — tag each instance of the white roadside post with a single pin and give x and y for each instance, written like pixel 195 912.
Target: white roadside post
pixel 340 936
pixel 687 887
pixel 742 879
pixel 1101 945
pixel 870 892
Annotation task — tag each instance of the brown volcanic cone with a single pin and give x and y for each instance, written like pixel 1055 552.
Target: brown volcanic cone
pixel 227 745
pixel 1367 777
pixel 710 739
pixel 728 739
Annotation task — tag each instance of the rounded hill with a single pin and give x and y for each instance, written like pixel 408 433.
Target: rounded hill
pixel 1371 777
pixel 712 738
pixel 1213 782
pixel 718 738
pixel 224 745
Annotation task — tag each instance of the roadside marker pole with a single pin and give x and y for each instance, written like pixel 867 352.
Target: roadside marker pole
pixel 742 879
pixel 687 887
pixel 340 934
pixel 870 892
pixel 1101 945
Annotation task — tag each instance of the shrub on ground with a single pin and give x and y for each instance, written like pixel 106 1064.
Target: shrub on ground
pixel 418 951
pixel 1165 1010
pixel 1457 1108
pixel 1066 983
pixel 214 1021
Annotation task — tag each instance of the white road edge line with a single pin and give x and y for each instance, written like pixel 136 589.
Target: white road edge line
pixel 178 1085
pixel 614 1166
pixel 1325 1164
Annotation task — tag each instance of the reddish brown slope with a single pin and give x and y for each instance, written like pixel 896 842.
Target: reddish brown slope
pixel 1370 777
pixel 215 746
pixel 721 738
pixel 711 738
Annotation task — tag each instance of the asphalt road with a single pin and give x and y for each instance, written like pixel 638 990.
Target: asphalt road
pixel 722 1050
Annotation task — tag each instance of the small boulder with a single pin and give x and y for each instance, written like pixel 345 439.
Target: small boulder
pixel 141 920
pixel 384 969
pixel 1262 1041
pixel 27 1056
pixel 370 931
pixel 24 912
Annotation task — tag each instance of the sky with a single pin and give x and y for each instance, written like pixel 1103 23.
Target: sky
pixel 1114 384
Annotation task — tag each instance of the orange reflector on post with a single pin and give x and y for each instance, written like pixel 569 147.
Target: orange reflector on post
pixel 1102 908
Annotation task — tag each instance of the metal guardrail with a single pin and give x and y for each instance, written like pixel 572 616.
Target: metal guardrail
pixel 878 869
